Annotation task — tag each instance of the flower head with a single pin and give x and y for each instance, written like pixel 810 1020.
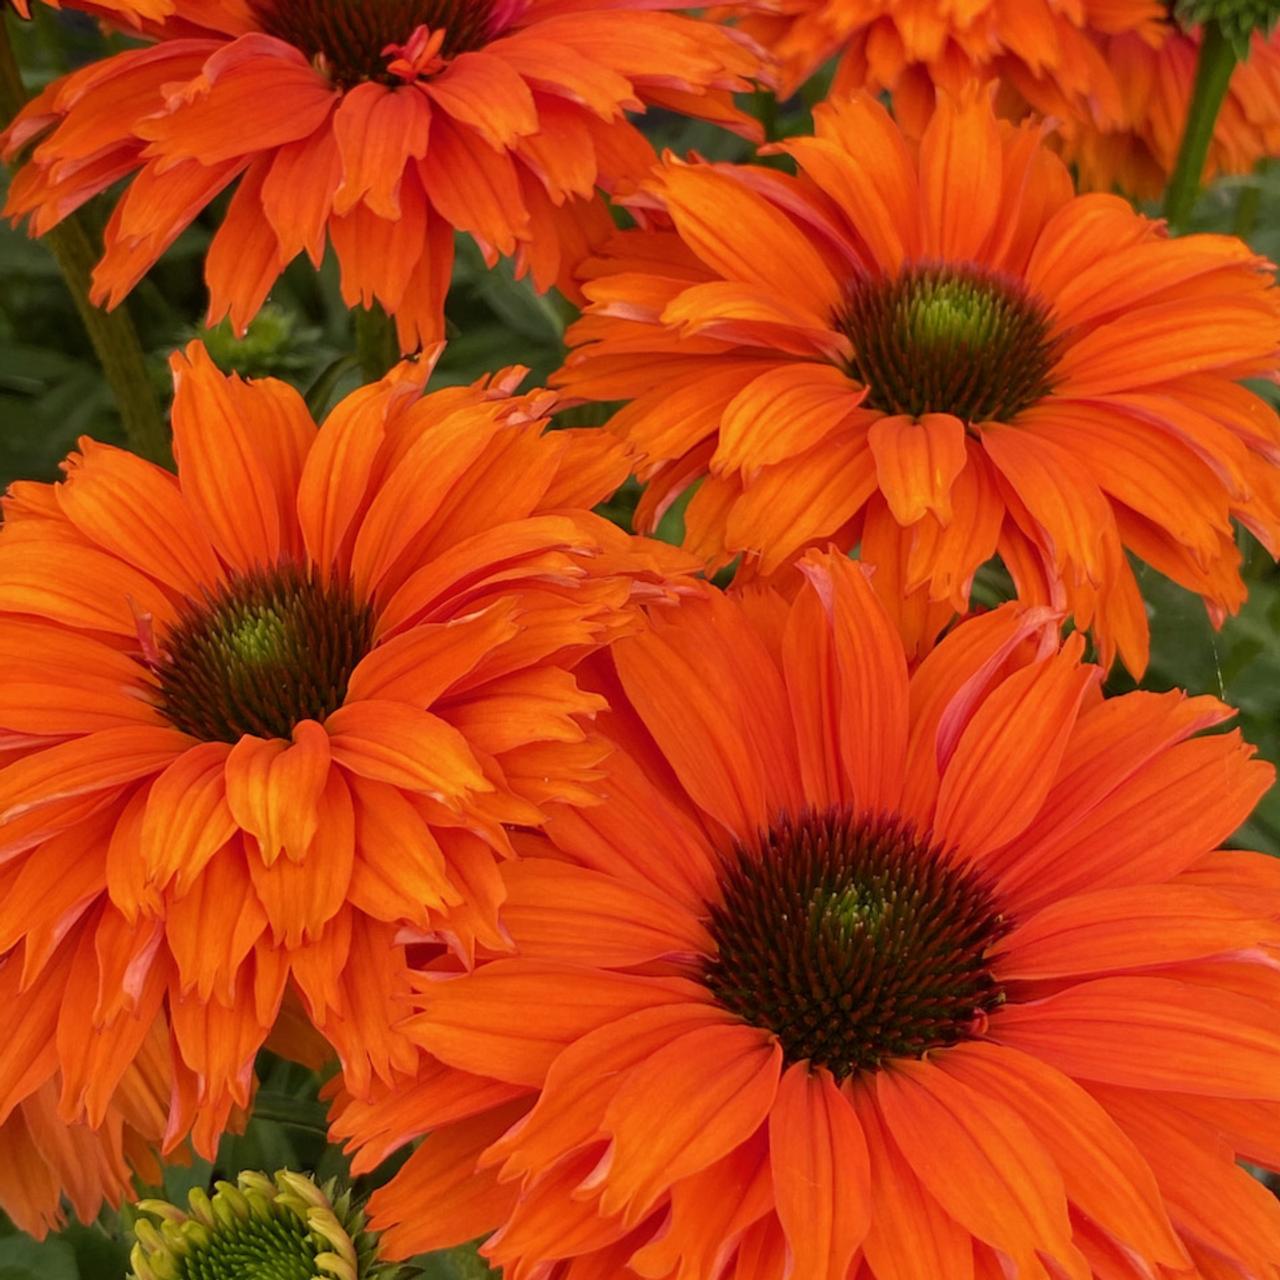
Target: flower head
pixel 936 968
pixel 286 1227
pixel 377 128
pixel 940 354
pixel 264 722
pixel 1136 152
pixel 913 51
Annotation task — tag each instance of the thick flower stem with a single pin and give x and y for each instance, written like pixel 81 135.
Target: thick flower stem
pixel 1213 75
pixel 114 337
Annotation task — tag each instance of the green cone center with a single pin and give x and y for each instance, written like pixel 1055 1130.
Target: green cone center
pixel 268 650
pixel 949 339
pixel 854 941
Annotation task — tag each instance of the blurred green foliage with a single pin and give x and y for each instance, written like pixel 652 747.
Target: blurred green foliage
pixel 51 392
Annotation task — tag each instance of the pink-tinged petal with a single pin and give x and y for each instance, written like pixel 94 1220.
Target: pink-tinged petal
pixel 821 1173
pixel 1008 755
pixel 917 462
pixel 274 789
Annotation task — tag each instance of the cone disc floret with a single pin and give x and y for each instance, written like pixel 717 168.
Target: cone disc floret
pixel 854 940
pixel 350 39
pixel 269 649
pixel 260 1228
pixel 951 339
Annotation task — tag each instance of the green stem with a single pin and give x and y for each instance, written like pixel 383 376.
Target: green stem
pixel 377 346
pixel 114 337
pixel 1213 74
pixel 1247 208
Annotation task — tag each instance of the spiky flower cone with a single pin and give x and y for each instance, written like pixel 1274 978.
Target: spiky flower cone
pixel 281 1228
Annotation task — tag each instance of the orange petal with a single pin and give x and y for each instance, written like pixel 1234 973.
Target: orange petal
pixel 909 1235
pixel 438 1200
pixel 688 1105
pixel 274 789
pixel 583 1080
pixel 960 178
pixel 917 462
pixel 868 683
pixel 821 1174
pixel 574 914
pixel 1150 1033
pixel 300 897
pixel 1105 1176
pixel 980 1162
pixel 379 129
pixel 187 818
pixel 91 763
pixel 480 1022
pixel 1008 755
pixel 212 929
pixel 396 743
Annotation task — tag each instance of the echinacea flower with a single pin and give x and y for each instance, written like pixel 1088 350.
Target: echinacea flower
pixel 940 355
pixel 285 1227
pixel 263 721
pixel 914 50
pixel 377 128
pixel 863 972
pixel 1137 152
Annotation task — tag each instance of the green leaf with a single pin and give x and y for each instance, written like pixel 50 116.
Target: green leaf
pixel 99 1256
pixel 22 1258
pixel 463 1263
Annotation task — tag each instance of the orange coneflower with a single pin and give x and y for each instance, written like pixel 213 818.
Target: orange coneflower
pixel 263 722
pixel 914 49
pixel 940 355
pixel 1137 153
pixel 863 972
pixel 378 128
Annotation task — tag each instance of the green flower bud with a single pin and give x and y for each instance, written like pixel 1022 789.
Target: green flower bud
pixel 281 1228
pixel 1238 19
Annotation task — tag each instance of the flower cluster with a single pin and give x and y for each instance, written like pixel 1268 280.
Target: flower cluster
pixel 726 896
